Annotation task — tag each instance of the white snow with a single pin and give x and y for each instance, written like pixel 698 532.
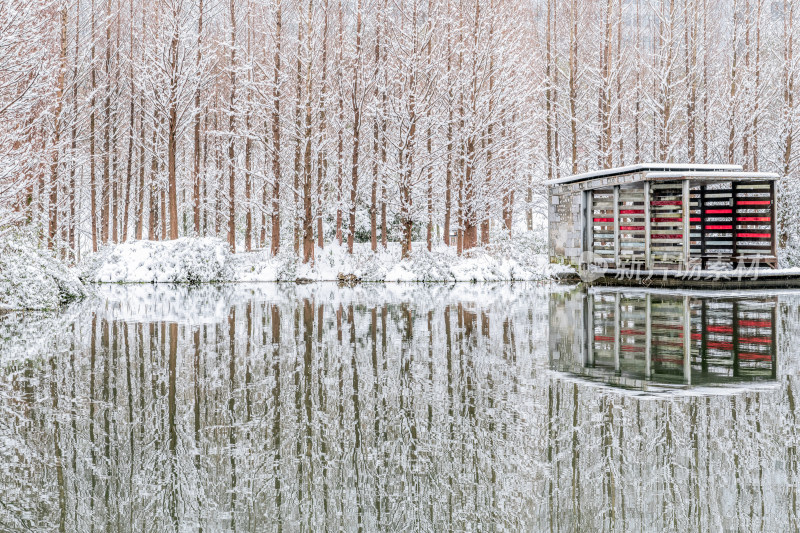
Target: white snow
pixel 31 278
pixel 187 260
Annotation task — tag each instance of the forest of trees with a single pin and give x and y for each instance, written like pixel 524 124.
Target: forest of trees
pixel 290 125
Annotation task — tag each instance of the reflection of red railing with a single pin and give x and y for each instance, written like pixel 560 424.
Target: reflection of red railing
pixel 732 334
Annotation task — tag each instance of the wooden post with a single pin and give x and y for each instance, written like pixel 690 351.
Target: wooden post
pixel 735 343
pixel 588 225
pixel 702 206
pixel 648 261
pixel 686 223
pixel 616 226
pixel 616 333
pixel 687 341
pixel 704 338
pixel 590 329
pixel 648 328
pixel 774 339
pixel 773 199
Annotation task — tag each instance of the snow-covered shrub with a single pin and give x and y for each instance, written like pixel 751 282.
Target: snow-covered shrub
pixel 31 278
pixel 185 260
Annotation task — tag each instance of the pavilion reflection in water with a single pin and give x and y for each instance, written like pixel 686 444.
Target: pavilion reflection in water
pixel 649 339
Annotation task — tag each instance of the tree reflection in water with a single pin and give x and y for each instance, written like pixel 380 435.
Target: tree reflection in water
pixel 422 408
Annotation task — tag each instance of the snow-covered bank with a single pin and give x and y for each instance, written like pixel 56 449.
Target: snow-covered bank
pixel 186 260
pixel 31 278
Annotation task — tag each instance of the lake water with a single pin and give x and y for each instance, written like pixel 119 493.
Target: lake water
pixel 495 407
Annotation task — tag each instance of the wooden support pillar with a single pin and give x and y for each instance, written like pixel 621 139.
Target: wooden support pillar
pixel 773 347
pixel 590 329
pixel 735 342
pixel 773 223
pixel 702 209
pixel 704 337
pixel 588 226
pixel 685 204
pixel 648 329
pixel 616 333
pixel 648 260
pixel 687 341
pixel 616 226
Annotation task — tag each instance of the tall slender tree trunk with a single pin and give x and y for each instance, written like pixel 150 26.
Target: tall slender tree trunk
pixel 275 222
pixel 573 82
pixel 172 141
pixel 62 68
pixel 308 175
pixel 196 151
pixel 105 193
pixel 131 126
pixel 92 133
pixel 356 99
pixel 340 146
pixel 232 134
pixel 322 162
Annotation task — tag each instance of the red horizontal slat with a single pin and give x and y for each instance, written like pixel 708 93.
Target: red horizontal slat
pixel 719 227
pixel 668 236
pixel 756 323
pixel 668 360
pixel 667 219
pixel 719 211
pixel 665 202
pixel 631 228
pixel 719 329
pixel 755 340
pixel 755 356
pixel 753 219
pixel 754 235
pixel 603 338
pixel 603 220
pixel 753 202
pixel 631 211
pixel 720 345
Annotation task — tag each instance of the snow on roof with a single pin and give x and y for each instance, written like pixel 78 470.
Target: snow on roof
pixel 645 167
pixel 714 175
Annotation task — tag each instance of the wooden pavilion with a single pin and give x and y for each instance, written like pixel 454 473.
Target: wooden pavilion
pixel 664 216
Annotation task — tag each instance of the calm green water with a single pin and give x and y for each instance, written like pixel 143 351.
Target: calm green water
pixel 401 408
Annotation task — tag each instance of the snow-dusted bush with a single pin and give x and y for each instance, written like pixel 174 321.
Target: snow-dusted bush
pixel 31 278
pixel 518 258
pixel 186 260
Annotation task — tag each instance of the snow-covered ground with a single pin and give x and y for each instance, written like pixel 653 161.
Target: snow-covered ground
pixel 187 260
pixel 31 278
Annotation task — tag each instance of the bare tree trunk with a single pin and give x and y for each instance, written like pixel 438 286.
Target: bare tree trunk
pixel 53 205
pixel 196 151
pixel 733 89
pixel 105 195
pixel 308 175
pixel 248 146
pixel 276 134
pixel 92 163
pixel 131 126
pixel 373 203
pixel 356 99
pixel 340 147
pixel 322 163
pixel 74 137
pixel 448 180
pixel 573 81
pixel 232 134
pixel 172 141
